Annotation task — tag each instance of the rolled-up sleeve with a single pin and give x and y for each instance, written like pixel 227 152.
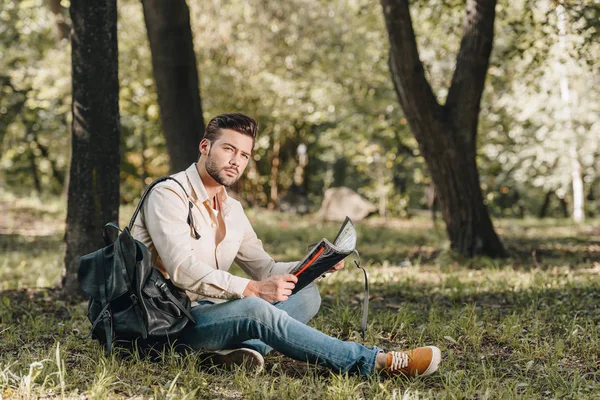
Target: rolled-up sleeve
pixel 165 216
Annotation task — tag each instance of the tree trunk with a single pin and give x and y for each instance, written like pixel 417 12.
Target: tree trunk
pixel 176 77
pixel 34 173
pixel 381 189
pixel 145 175
pixel 565 95
pixel 545 204
pixel 93 194
pixel 564 206
pixel 447 134
pixel 275 161
pixel 591 196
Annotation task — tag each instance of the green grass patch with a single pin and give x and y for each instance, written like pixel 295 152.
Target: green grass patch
pixel 524 327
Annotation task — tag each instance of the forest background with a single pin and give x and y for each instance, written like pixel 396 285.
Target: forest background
pixel 316 74
pixel 317 77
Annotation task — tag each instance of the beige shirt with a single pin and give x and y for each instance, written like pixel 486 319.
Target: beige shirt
pixel 200 265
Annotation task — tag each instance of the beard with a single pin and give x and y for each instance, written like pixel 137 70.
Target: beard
pixel 218 174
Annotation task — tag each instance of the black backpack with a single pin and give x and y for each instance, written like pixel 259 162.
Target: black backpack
pixel 130 300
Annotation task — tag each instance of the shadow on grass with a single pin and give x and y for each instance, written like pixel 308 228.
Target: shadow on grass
pixel 419 306
pixel 554 251
pixel 29 244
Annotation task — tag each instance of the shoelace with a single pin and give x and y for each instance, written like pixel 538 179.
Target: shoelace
pixel 399 360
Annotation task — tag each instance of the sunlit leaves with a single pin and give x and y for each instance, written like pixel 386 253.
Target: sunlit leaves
pixel 315 72
pixel 524 121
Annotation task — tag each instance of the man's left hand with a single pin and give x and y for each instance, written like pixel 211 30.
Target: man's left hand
pixel 337 267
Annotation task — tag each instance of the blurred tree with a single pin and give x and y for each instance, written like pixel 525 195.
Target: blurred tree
pixel 34 84
pixel 447 134
pixel 312 72
pixel 567 118
pixel 93 197
pixel 176 76
pixel 534 138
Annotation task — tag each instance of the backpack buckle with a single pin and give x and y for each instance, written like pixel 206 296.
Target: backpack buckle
pixel 105 314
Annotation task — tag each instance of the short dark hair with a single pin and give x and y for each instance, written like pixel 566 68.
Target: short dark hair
pixel 235 121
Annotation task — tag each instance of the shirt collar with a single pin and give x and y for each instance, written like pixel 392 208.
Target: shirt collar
pixel 199 189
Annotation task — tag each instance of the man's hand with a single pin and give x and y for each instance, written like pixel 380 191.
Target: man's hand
pixel 275 288
pixel 337 267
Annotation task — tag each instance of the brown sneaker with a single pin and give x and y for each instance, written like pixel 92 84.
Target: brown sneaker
pixel 421 361
pixel 229 358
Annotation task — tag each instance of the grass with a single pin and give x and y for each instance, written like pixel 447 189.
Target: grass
pixel 524 327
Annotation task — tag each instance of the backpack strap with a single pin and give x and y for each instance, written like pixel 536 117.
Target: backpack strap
pixel 105 314
pixel 134 299
pixel 190 218
pixel 162 286
pixel 106 236
pixel 365 312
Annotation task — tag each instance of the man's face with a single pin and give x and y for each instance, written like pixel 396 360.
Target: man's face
pixel 227 156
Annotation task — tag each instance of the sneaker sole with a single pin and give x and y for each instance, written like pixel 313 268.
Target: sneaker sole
pixel 436 358
pixel 242 356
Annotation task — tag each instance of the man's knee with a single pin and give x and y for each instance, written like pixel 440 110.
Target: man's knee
pixel 313 298
pixel 255 307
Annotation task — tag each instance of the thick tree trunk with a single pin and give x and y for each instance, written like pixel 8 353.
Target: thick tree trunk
pixel 176 76
pixel 93 194
pixel 447 134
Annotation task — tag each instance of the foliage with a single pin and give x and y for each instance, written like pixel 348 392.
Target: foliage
pixel 310 77
pixel 34 108
pixel 528 131
pixel 527 327
pixel 315 73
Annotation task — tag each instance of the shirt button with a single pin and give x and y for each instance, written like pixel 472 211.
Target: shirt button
pixel 213 225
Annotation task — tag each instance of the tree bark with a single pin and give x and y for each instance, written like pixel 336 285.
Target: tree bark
pixel 447 134
pixel 176 77
pixel 93 193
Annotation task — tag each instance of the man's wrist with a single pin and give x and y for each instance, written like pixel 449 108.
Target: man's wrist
pixel 251 289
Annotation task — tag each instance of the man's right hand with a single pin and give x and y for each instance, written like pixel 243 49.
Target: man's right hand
pixel 272 289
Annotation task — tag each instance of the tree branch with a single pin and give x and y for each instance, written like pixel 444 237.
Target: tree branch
pixel 414 92
pixel 464 95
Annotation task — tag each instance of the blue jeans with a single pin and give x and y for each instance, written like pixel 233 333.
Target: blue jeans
pixel 254 323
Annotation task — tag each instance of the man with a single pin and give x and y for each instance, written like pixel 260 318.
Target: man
pixel 240 318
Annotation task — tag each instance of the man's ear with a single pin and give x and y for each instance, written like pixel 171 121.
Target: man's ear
pixel 204 146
